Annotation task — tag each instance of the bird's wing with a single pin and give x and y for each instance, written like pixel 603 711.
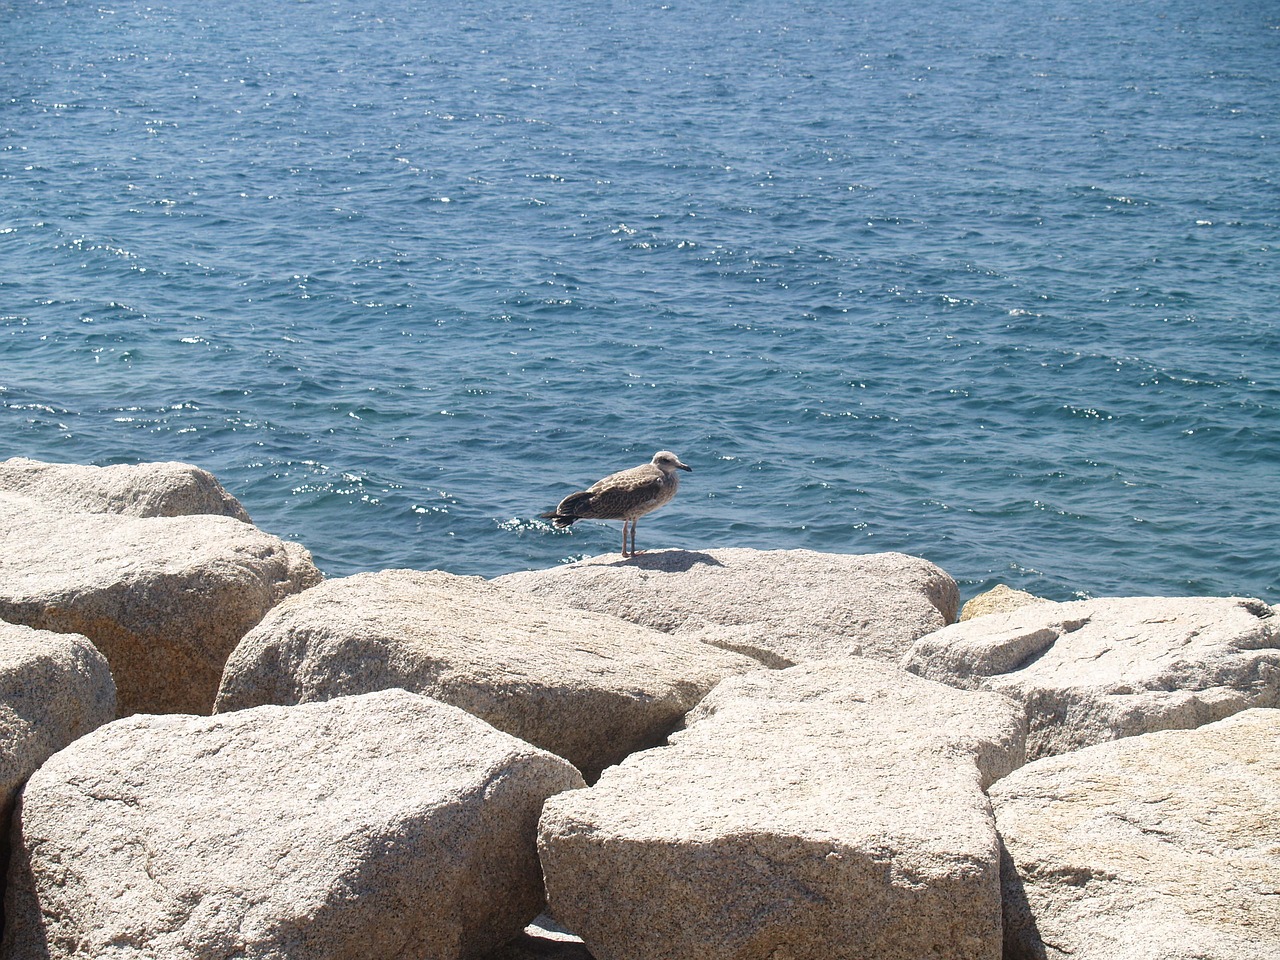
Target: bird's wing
pixel 631 481
pixel 621 493
pixel 574 505
pixel 616 494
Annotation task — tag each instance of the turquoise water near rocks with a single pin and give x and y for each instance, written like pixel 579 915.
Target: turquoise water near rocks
pixel 990 283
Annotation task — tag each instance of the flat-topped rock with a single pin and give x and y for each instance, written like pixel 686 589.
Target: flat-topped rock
pixel 780 606
pixel 165 599
pixel 1164 846
pixel 830 810
pixel 587 687
pixel 385 825
pixel 1095 670
pixel 138 490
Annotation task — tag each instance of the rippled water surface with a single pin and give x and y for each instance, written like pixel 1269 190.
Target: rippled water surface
pixel 995 284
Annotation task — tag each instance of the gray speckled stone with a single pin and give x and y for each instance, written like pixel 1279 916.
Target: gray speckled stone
pixel 137 490
pixel 54 688
pixel 830 810
pixel 588 687
pixel 1095 670
pixel 385 825
pixel 1164 846
pixel 780 606
pixel 999 599
pixel 164 599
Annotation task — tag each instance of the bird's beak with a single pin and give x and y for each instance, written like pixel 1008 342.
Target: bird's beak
pixel 684 466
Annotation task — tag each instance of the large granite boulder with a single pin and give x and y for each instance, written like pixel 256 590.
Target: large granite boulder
pixel 1096 670
pixel 780 606
pixel 137 490
pixel 587 687
pixel 385 825
pixel 999 599
pixel 830 810
pixel 1159 847
pixel 165 599
pixel 54 688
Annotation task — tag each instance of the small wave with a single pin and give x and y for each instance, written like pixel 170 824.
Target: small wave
pixel 523 525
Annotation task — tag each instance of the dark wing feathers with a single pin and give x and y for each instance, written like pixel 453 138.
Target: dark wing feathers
pixel 616 502
pixel 610 498
pixel 576 505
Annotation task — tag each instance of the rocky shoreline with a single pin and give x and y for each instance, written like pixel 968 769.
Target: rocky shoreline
pixel 210 751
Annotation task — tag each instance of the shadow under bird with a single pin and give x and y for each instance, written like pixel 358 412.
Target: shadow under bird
pixel 626 496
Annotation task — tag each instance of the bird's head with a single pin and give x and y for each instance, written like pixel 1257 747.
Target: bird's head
pixel 668 462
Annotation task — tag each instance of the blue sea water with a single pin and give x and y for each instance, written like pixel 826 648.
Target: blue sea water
pixel 990 283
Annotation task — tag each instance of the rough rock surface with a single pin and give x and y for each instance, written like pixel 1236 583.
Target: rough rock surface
pixel 587 687
pixel 386 825
pixel 54 688
pixel 831 810
pixel 138 490
pixel 165 599
pixel 999 599
pixel 1159 847
pixel 1096 670
pixel 780 606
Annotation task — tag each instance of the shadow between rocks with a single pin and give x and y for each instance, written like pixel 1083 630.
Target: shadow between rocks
pixel 527 947
pixel 1021 935
pixel 543 939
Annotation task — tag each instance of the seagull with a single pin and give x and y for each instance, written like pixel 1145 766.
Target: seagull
pixel 626 496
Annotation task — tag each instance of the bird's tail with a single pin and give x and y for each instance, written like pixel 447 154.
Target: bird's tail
pixel 559 520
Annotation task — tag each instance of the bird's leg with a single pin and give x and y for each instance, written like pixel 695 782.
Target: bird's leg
pixel 634 551
pixel 624 538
